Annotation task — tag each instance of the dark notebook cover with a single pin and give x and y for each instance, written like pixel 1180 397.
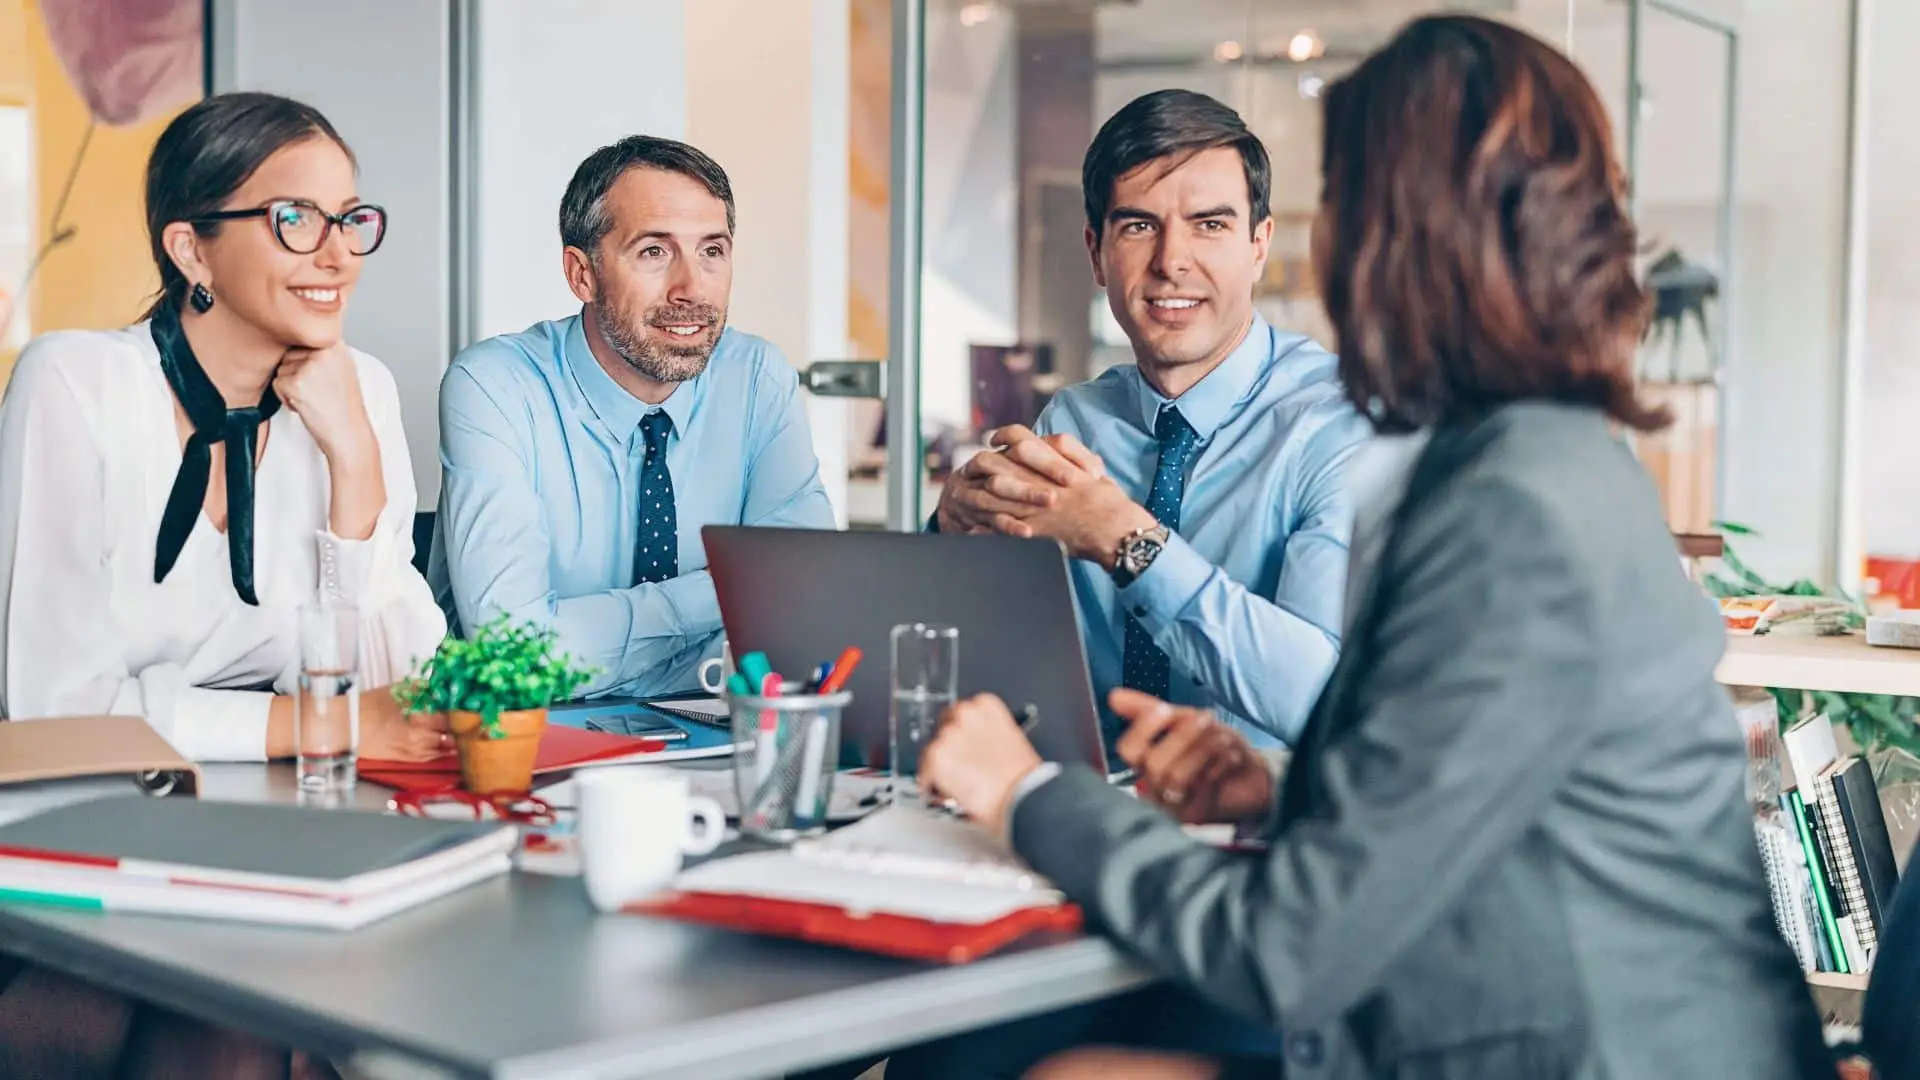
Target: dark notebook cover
pixel 284 841
pixel 1866 828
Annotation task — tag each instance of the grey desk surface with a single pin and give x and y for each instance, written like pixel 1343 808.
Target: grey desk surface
pixel 519 977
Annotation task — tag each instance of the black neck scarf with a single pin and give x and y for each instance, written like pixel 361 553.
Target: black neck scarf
pixel 212 422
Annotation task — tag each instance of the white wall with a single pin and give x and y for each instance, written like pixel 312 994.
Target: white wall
pixel 557 80
pixel 387 92
pixel 1890 482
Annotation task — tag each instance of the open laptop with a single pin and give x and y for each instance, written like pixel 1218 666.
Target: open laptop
pixel 801 596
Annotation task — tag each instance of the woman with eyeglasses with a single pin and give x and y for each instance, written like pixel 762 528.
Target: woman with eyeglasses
pixel 171 494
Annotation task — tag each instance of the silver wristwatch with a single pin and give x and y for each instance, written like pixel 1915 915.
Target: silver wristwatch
pixel 1137 552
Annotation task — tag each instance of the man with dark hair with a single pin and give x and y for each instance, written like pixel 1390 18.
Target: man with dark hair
pixel 583 455
pixel 1200 489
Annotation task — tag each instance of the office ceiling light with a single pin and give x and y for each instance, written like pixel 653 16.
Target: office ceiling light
pixel 1227 52
pixel 975 14
pixel 1304 46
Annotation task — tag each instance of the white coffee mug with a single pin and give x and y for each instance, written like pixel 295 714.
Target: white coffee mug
pixel 715 669
pixel 636 826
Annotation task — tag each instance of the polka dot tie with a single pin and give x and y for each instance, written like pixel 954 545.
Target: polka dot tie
pixel 656 552
pixel 1144 665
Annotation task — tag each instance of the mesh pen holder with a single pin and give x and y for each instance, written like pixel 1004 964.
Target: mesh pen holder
pixel 786 750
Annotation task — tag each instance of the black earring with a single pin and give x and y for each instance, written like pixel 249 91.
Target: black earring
pixel 201 299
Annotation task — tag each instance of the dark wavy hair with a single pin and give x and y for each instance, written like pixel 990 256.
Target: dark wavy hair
pixel 205 155
pixel 1473 247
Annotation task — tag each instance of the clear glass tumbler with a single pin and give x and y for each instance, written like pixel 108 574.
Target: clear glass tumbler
pixel 926 681
pixel 326 706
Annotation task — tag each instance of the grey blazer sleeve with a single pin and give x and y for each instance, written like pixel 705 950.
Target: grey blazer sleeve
pixel 1469 720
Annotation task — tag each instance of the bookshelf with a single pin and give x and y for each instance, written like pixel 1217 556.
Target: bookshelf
pixel 1845 664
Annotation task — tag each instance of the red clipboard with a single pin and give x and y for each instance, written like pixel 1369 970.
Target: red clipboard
pixel 890 935
pixel 561 748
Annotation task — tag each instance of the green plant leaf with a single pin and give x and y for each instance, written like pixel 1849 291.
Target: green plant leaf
pixel 1742 572
pixel 502 667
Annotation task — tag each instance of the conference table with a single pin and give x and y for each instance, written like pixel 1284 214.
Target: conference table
pixel 520 978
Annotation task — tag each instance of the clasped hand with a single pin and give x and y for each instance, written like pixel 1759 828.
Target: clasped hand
pixel 1051 486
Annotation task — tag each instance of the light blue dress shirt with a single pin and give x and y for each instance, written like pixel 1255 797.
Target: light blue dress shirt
pixel 539 507
pixel 1247 598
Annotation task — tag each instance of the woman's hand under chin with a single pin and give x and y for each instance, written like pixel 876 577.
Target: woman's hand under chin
pixel 322 386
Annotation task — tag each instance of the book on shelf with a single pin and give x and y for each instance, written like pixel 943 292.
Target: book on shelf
pixel 1846 874
pixel 1832 952
pixel 1786 883
pixel 1858 798
pixel 254 863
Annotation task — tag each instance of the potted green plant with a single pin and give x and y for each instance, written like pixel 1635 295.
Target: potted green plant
pixel 494 687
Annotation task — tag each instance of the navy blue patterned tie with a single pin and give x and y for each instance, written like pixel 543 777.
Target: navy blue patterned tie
pixel 1144 666
pixel 656 551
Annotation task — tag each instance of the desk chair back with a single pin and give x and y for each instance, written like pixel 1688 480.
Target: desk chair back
pixel 422 540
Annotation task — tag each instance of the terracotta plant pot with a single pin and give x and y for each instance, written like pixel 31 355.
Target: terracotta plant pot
pixel 501 766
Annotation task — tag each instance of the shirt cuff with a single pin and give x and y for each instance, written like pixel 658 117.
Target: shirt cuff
pixel 693 608
pixel 345 566
pixel 220 725
pixel 1157 597
pixel 1025 786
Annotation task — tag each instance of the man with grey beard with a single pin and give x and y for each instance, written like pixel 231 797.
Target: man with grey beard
pixel 582 456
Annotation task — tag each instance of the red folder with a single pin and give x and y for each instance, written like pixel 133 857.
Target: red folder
pixel 561 748
pixel 890 935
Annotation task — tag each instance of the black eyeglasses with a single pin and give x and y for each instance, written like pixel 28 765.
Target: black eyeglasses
pixel 301 227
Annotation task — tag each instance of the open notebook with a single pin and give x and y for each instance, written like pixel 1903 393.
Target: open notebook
pixel 906 881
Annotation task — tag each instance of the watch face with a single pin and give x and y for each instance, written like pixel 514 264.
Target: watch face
pixel 1142 549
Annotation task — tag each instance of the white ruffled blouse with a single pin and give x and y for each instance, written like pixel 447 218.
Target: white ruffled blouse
pixel 88 453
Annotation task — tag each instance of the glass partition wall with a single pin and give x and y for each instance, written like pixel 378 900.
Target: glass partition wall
pixel 1009 94
pixel 1734 115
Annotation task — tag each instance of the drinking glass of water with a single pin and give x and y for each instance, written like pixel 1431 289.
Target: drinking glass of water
pixel 926 678
pixel 326 709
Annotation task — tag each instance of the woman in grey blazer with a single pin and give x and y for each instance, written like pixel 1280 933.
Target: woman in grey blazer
pixel 1514 840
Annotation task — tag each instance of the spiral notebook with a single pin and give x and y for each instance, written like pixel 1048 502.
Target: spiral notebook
pixel 906 881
